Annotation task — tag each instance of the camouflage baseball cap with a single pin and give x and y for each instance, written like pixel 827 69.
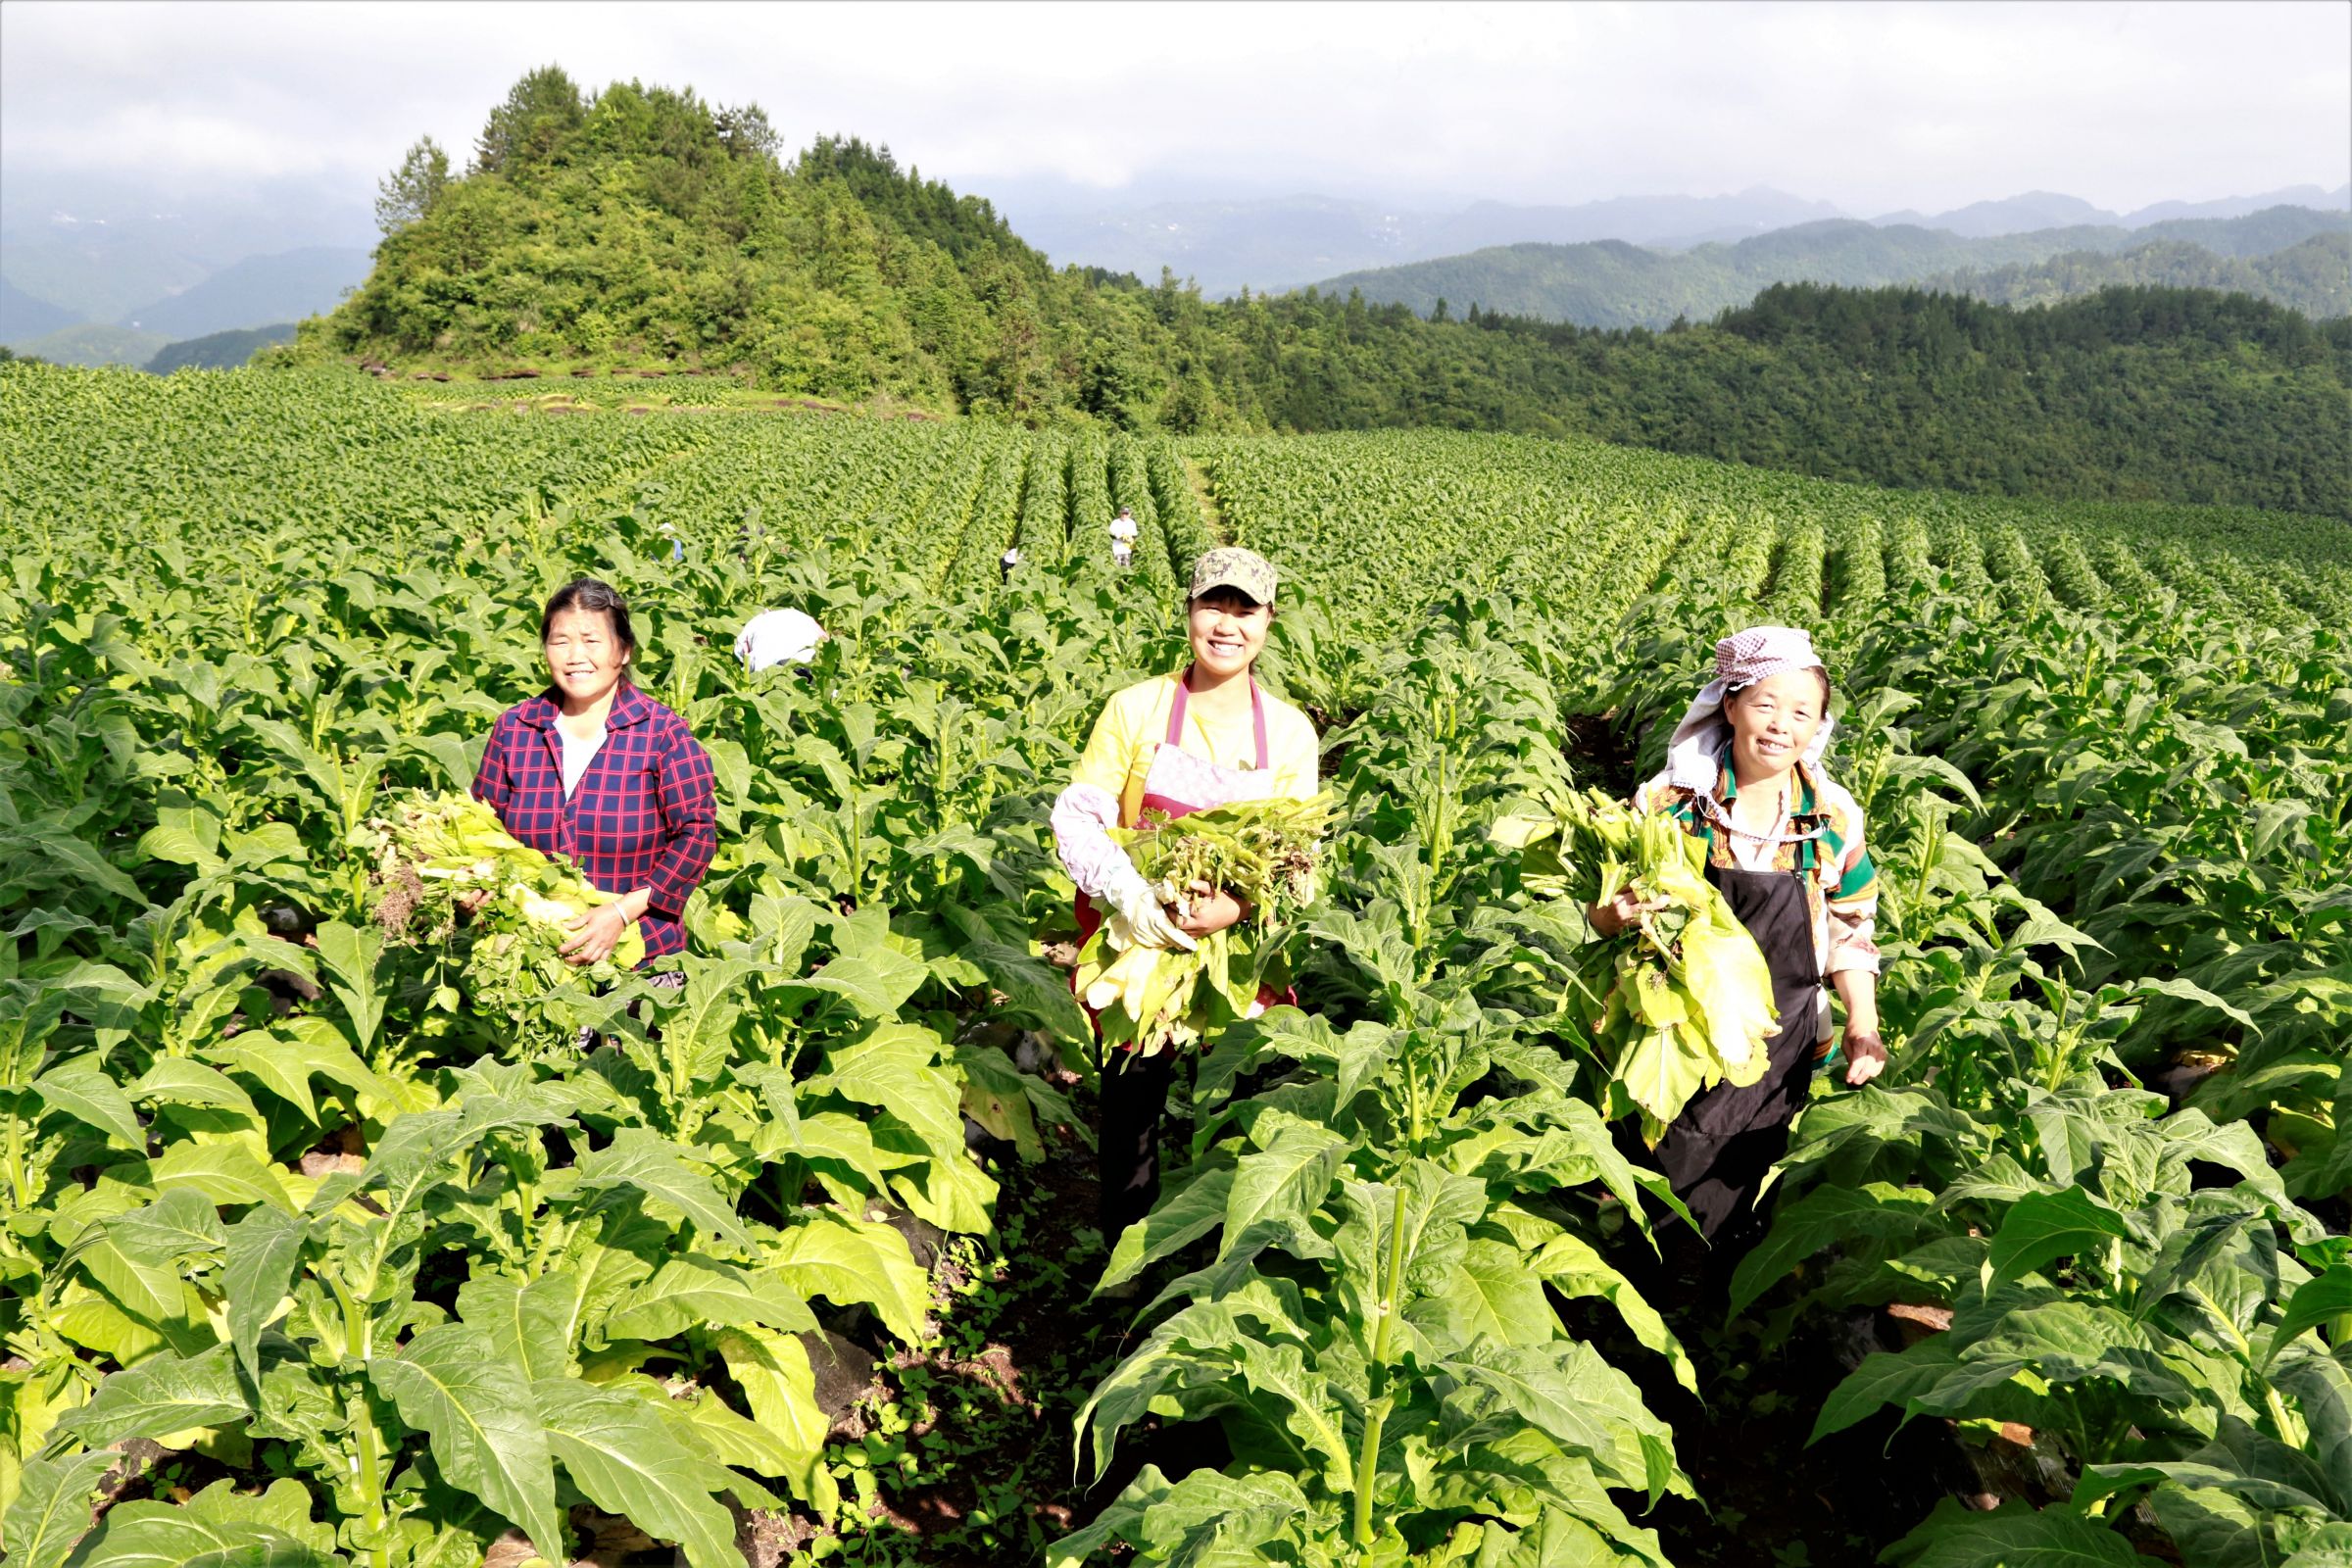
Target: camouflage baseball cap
pixel 1231 567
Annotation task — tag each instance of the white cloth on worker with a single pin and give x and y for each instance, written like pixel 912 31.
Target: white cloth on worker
pixel 779 637
pixel 1123 528
pixel 578 752
pixel 1740 661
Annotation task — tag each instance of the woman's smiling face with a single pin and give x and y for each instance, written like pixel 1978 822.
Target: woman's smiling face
pixel 1227 629
pixel 1774 721
pixel 584 658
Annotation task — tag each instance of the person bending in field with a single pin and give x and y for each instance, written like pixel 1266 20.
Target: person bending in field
pixel 594 769
pixel 1122 537
pixel 1785 848
pixel 1203 737
pixel 779 637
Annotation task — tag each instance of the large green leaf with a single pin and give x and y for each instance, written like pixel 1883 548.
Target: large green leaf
pixel 848 1261
pixel 2321 1299
pixel 52 1508
pixel 349 956
pixel 2047 1226
pixel 158 1535
pixel 1285 1177
pixel 87 1095
pixel 872 985
pixel 177 1081
pixel 159 1396
pixel 1884 1378
pixel 1491 1294
pixel 1824 1217
pixel 1179 1218
pixel 264 1249
pixel 1034 991
pixel 659 1170
pixel 1170 1521
pixel 620 1451
pixel 285 1058
pixel 147 1287
pixel 1570 1266
pixel 2013 1535
pixel 1562 1391
pixel 451 1383
pixel 1305 1409
pixel 180 1225
pixel 780 1386
pixel 895 1067
pixel 531 1325
pixel 690 1292
pixel 225 1173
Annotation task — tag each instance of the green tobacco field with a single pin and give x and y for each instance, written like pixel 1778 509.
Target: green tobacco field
pixel 306 1261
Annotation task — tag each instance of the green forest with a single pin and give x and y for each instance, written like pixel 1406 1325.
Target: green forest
pixel 2312 276
pixel 646 227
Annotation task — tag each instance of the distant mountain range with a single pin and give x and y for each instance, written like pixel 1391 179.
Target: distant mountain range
pixel 150 268
pixel 2296 256
pixel 93 344
pixel 150 263
pixel 1287 242
pixel 254 291
pixel 1284 242
pixel 219 351
pixel 2041 209
pixel 22 316
pixel 258 290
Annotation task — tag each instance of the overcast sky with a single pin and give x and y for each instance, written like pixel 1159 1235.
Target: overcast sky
pixel 1870 106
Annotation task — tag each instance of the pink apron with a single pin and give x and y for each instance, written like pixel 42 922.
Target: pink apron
pixel 1178 784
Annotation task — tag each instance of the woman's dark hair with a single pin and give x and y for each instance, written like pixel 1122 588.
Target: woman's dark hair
pixel 595 598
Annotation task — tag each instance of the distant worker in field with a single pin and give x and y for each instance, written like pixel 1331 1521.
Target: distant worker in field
pixel 1203 737
pixel 1011 559
pixel 779 637
pixel 1122 537
pixel 594 769
pixel 1784 848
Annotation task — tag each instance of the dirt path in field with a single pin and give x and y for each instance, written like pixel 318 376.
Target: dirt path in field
pixel 1206 496
pixel 1025 1345
pixel 995 1476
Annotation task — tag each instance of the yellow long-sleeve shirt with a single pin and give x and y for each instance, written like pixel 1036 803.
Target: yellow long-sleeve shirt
pixel 1136 720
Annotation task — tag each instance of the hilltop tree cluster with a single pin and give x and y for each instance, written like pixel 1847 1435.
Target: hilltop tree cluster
pixel 643 225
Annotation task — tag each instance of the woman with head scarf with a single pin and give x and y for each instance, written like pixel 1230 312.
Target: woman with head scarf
pixel 1784 847
pixel 1203 737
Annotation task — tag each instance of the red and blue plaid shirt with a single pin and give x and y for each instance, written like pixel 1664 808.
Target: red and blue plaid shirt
pixel 645 813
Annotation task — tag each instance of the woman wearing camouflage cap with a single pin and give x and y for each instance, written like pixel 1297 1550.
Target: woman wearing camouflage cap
pixel 1203 737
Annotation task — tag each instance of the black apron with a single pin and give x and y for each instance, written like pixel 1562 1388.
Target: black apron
pixel 1720 1149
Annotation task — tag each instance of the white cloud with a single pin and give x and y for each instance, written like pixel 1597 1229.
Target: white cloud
pixel 1870 106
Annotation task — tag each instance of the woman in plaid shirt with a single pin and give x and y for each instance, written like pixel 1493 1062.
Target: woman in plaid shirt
pixel 595 770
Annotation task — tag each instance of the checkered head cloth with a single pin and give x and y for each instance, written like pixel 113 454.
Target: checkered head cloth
pixel 1741 660
pixel 1760 652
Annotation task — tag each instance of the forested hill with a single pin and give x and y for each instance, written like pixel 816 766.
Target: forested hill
pixel 643 227
pixel 2133 393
